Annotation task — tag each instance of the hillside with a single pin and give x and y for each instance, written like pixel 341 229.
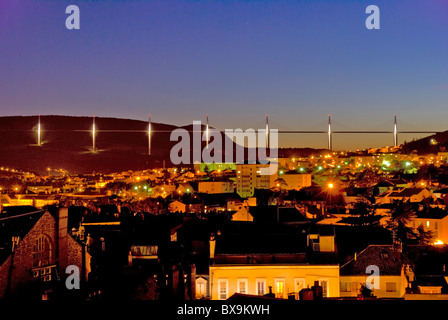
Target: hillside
pixel 432 144
pixel 67 144
pixel 122 144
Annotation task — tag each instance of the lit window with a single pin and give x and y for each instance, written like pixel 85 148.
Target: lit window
pixel 391 287
pixel 201 290
pixel 299 286
pixel 261 287
pixel 222 287
pixel 42 252
pixel 242 286
pixel 324 285
pixel 346 287
pixel 279 288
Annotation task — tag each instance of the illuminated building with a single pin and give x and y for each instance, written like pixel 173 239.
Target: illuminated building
pixel 405 194
pixel 249 178
pixel 215 187
pixel 250 260
pixel 391 281
pixel 296 181
pixel 435 220
pixel 214 166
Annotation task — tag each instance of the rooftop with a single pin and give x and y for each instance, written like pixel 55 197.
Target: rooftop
pixel 388 260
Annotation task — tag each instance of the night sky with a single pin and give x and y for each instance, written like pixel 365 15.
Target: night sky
pixel 236 61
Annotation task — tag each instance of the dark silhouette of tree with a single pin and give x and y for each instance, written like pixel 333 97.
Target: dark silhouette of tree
pixel 365 211
pixel 264 196
pixel 399 223
pixel 424 237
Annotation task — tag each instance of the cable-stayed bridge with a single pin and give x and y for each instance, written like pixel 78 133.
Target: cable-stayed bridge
pixel 329 132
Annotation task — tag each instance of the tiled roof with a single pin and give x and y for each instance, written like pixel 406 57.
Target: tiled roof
pixel 248 238
pixel 13 225
pixel 406 193
pixel 428 260
pixel 388 260
pixel 269 214
pixel 432 213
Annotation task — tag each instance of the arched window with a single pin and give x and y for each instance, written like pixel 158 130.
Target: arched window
pixel 42 252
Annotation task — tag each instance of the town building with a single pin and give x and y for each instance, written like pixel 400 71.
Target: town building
pixel 257 260
pixel 434 220
pixel 296 181
pixel 213 187
pixel 249 178
pixel 390 281
pixel 405 194
pixel 37 249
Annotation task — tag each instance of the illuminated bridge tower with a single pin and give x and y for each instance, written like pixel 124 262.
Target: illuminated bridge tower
pixel 93 135
pixel 330 142
pixel 267 132
pixel 39 141
pixel 207 133
pixel 395 131
pixel 149 135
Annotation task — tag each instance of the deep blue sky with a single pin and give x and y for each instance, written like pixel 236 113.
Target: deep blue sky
pixel 236 61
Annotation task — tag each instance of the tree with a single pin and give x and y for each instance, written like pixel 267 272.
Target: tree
pixel 365 211
pixel 424 237
pixel 401 217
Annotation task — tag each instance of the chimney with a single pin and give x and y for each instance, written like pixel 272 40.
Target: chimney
pixel 212 245
pixel 61 253
pixel 270 294
pixel 103 244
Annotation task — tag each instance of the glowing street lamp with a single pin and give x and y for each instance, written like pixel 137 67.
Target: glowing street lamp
pixel 330 191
